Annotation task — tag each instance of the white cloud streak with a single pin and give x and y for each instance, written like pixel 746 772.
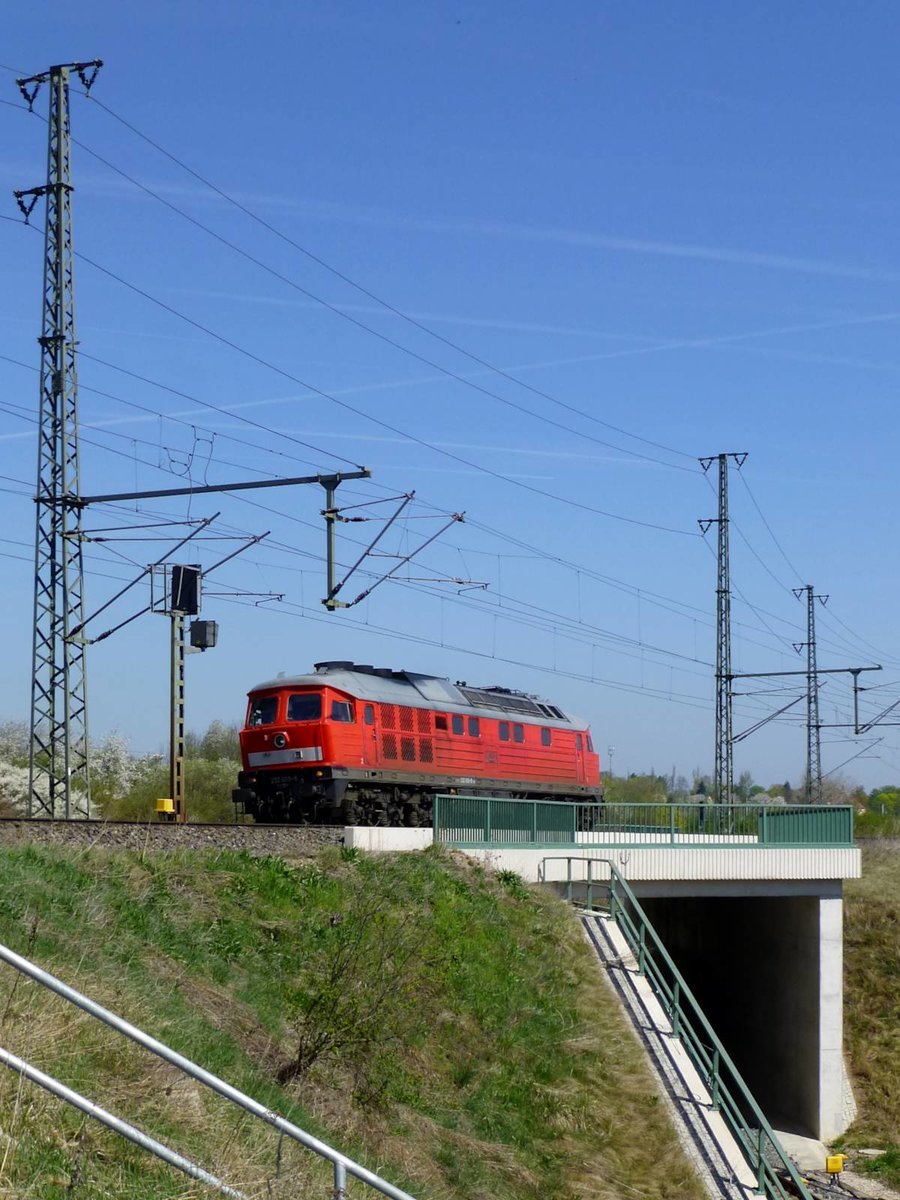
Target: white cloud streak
pixel 327 211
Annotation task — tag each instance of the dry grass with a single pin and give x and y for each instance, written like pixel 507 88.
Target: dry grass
pixel 872 1000
pixel 872 981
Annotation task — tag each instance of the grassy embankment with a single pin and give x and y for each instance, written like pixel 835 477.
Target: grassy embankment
pixel 872 1005
pixel 443 1025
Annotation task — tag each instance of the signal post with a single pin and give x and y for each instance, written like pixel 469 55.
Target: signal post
pixel 182 591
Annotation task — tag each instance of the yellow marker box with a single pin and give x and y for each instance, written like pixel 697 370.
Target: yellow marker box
pixel 834 1163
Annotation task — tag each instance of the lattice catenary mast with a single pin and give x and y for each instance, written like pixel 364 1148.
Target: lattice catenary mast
pixel 813 789
pixel 724 770
pixel 59 775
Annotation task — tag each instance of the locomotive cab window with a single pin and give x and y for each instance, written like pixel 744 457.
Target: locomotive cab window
pixel 457 723
pixel 440 721
pixel 504 731
pixel 262 712
pixel 474 727
pixel 342 710
pixel 518 733
pixel 306 706
pixel 590 744
pixel 578 741
pixel 369 715
pixel 545 737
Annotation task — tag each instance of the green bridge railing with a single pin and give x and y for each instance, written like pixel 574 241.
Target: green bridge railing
pixel 479 821
pixel 776 1175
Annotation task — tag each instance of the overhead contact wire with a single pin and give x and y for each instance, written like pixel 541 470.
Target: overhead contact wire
pixel 412 437
pixel 385 304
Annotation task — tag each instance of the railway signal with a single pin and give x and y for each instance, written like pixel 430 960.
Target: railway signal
pixel 181 589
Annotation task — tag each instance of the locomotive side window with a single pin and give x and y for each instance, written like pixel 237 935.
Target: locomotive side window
pixel 369 715
pixel 440 721
pixel 504 731
pixel 545 737
pixel 341 710
pixel 262 712
pixel 518 733
pixel 307 706
pixel 457 723
pixel 474 727
pixel 590 744
pixel 578 742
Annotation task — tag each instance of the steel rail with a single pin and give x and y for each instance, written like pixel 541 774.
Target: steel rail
pixel 340 1161
pixel 49 1084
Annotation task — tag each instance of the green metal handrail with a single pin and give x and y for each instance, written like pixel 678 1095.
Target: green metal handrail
pixel 486 821
pixel 729 1093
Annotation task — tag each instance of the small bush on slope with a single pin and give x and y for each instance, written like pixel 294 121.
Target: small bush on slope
pixel 451 1034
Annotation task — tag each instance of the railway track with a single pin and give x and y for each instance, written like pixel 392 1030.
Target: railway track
pixel 287 840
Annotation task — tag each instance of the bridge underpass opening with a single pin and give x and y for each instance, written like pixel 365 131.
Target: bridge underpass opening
pixel 767 971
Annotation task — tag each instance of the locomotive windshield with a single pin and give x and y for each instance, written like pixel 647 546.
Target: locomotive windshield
pixel 263 710
pixel 305 706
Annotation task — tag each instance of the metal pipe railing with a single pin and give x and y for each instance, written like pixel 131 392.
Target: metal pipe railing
pixel 90 1109
pixel 729 1093
pixel 342 1164
pixel 480 821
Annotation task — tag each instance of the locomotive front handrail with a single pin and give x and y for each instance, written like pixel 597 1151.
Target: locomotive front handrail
pixel 343 1166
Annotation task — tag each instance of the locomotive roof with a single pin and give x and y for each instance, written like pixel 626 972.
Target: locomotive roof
pixel 415 690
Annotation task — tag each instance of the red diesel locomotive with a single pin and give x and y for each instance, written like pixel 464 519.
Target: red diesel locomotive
pixel 359 745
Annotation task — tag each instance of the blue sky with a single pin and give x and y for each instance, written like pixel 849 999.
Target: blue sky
pixel 642 233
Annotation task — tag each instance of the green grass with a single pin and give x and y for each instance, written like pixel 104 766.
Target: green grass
pixel 446 1026
pixel 872 1006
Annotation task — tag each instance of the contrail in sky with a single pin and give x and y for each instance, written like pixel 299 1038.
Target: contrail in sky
pixel 649 247
pixel 664 249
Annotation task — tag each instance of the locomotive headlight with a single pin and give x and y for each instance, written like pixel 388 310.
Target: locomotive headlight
pixel 280 740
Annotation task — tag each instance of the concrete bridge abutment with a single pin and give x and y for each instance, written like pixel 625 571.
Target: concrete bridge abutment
pixel 766 966
pixel 757 933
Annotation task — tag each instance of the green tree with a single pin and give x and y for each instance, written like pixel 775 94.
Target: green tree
pixel 680 790
pixel 129 788
pixel 885 801
pixel 220 741
pixel 207 790
pixel 636 789
pixel 744 786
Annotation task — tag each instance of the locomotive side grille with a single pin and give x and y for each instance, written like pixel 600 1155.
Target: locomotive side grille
pixel 389 745
pixel 423 717
pixel 389 717
pixel 426 750
pixel 407 719
pixel 408 749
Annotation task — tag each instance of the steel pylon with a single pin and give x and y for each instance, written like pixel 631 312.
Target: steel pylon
pixel 813 788
pixel 59 775
pixel 724 768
